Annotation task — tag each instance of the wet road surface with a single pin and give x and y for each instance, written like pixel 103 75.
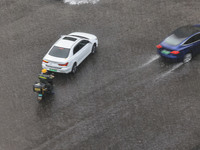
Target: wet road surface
pixel 123 97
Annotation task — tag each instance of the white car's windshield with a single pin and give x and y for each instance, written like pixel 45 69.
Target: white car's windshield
pixel 59 52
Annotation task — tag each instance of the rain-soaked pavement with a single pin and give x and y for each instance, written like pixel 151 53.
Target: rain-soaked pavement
pixel 123 97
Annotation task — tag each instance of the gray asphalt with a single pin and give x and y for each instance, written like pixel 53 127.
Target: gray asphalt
pixel 123 97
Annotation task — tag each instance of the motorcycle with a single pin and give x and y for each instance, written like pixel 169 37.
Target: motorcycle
pixel 43 87
pixel 40 89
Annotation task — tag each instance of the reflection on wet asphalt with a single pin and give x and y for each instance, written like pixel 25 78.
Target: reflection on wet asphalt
pixel 174 67
pixel 123 97
pixel 152 59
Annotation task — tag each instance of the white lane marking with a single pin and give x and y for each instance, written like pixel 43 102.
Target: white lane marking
pixel 152 59
pixel 78 2
pixel 169 71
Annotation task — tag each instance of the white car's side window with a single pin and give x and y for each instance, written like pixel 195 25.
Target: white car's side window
pixel 84 42
pixel 80 45
pixel 76 48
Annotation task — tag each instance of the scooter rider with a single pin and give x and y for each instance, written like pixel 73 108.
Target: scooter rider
pixel 46 78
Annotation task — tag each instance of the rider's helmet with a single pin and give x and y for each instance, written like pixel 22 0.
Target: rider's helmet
pixel 44 70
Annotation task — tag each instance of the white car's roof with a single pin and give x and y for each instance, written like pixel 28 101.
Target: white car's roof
pixel 66 42
pixel 83 35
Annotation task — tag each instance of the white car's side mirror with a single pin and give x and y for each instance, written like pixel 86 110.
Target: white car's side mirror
pixel 62 36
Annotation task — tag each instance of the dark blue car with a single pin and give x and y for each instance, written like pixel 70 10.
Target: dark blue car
pixel 182 45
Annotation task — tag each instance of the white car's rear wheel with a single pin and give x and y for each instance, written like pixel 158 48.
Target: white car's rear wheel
pixel 74 68
pixel 94 49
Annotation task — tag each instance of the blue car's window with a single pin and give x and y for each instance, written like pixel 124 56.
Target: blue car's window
pixel 59 52
pixel 186 31
pixel 193 39
pixel 174 40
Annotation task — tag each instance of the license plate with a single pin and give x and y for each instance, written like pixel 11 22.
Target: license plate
pixel 54 70
pixel 165 52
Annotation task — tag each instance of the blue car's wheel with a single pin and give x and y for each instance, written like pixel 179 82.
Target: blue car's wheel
pixel 187 57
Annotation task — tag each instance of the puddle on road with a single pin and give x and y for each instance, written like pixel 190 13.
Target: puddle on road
pixel 79 2
pixel 152 59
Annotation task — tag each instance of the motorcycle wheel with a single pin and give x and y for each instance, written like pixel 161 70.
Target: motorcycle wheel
pixel 39 98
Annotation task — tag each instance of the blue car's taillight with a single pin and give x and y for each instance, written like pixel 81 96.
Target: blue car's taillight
pixel 158 46
pixel 175 52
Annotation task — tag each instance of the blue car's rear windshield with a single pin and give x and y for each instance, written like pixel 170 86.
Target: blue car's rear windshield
pixel 174 40
pixel 180 34
pixel 59 52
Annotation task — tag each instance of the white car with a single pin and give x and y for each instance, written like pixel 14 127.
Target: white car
pixel 69 51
